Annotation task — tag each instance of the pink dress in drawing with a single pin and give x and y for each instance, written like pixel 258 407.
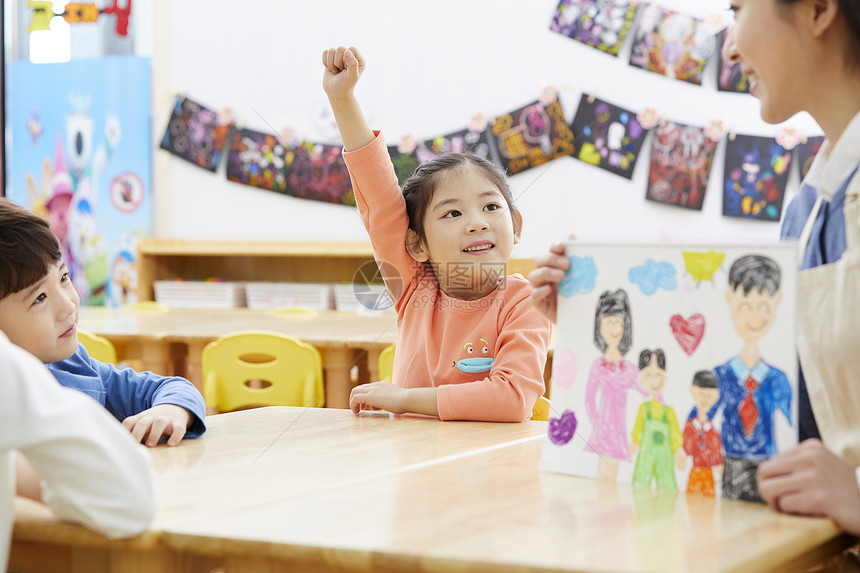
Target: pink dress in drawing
pixel 606 404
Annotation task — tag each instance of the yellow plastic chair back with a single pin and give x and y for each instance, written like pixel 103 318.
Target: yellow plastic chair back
pixel 98 347
pixel 540 411
pixel 147 306
pixel 257 368
pixel 293 311
pixel 386 363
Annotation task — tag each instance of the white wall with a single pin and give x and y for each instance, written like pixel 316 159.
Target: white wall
pixel 431 66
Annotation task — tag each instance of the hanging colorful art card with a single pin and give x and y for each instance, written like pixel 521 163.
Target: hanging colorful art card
pixel 756 171
pixel 729 75
pixel 403 157
pixel 672 44
pixel 84 163
pixel 597 23
pixel 806 152
pixel 607 136
pixel 196 134
pixel 475 141
pixel 260 160
pixel 675 365
pixel 532 135
pixel 681 158
pixel 319 173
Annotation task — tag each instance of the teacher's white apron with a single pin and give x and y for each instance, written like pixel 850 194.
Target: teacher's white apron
pixel 828 338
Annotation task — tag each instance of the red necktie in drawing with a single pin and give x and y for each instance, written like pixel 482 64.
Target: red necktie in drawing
pixel 747 409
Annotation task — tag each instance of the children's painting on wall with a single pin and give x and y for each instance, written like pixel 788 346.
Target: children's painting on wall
pixel 409 153
pixel 596 23
pixel 681 157
pixel 607 136
pixel 756 172
pixel 82 159
pixel 403 157
pixel 673 44
pixel 729 75
pixel 300 169
pixel 197 134
pixel 806 152
pixel 532 135
pixel 675 365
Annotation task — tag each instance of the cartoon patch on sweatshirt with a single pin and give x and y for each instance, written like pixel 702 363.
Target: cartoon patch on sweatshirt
pixel 480 363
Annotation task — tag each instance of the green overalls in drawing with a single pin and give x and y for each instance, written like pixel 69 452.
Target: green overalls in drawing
pixel 656 452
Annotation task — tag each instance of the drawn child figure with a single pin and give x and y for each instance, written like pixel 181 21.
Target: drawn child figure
pixel 656 434
pixel 751 390
pixel 469 344
pixel 701 439
pixel 609 380
pixel 39 312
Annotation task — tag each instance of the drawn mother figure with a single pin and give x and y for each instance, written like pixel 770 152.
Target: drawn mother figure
pixel 610 378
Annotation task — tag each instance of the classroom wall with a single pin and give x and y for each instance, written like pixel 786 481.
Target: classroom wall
pixel 431 67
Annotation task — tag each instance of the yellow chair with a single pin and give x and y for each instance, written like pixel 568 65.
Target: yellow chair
pixel 98 347
pixel 293 311
pixel 386 363
pixel 540 411
pixel 147 306
pixel 257 368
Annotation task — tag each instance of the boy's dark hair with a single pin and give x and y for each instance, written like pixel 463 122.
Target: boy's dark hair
pixel 756 271
pixel 645 358
pixel 705 379
pixel 419 188
pixel 613 303
pixel 27 248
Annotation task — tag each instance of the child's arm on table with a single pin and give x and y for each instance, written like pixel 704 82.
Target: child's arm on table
pixel 343 68
pixel 811 480
pixel 386 396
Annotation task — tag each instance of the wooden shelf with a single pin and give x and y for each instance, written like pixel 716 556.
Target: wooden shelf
pixel 282 261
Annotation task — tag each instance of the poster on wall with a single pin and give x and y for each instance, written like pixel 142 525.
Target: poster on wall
pixel 196 134
pixel 532 135
pixel 756 172
pixel 681 158
pixel 729 75
pixel 82 159
pixel 672 44
pixel 260 160
pixel 608 136
pixel 601 25
pixel 806 152
pixel 684 376
pixel 403 158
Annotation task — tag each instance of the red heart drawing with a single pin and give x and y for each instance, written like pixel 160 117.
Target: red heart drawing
pixel 688 332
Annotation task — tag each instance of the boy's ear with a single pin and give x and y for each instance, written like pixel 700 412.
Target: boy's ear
pixel 777 298
pixel 415 247
pixel 518 226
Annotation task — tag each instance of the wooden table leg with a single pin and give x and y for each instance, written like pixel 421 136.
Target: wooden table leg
pixel 337 362
pixel 155 355
pixel 373 364
pixel 194 362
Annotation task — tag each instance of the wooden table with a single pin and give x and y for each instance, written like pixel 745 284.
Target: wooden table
pixel 344 339
pixel 291 489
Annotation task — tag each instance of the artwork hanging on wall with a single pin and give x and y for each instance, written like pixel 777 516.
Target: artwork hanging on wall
pixel 532 135
pixel 601 25
pixel 403 158
pixel 672 44
pixel 675 384
pixel 196 134
pixel 85 165
pixel 681 157
pixel 301 169
pixel 729 75
pixel 806 152
pixel 607 136
pixel 755 175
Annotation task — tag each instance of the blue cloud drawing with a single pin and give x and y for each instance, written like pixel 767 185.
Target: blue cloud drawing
pixel 652 276
pixel 579 278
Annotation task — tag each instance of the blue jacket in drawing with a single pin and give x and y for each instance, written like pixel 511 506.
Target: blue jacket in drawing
pixel 772 392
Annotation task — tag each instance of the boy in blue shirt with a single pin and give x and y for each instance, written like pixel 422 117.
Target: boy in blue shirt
pixel 39 313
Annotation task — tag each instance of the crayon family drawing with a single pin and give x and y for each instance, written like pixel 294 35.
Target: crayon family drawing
pixel 674 365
